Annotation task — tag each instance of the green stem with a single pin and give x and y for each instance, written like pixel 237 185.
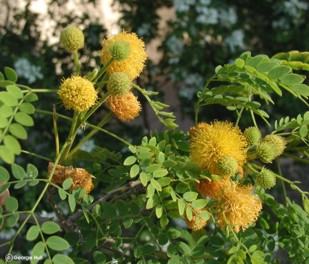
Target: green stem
pixel 95 108
pixel 90 134
pixel 253 118
pixel 74 126
pixel 239 115
pixel 35 155
pixel 76 62
pixel 103 69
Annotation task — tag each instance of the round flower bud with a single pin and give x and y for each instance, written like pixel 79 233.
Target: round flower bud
pixel 125 107
pixel 119 83
pixel 120 50
pixel 198 221
pixel 227 165
pixel 253 135
pixel 266 152
pixel 266 178
pixel 277 141
pixel 72 39
pixel 77 93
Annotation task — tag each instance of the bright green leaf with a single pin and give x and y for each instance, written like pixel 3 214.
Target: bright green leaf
pixel 159 210
pixel 15 91
pixel 129 160
pixel 134 171
pixel 199 204
pixel 18 131
pixel 12 219
pixel 72 202
pixel 62 259
pixel 32 171
pixel 160 173
pixel 62 194
pixel 181 206
pixel 37 252
pixel 18 171
pixel 23 119
pixel 32 233
pixel 8 99
pixel 10 74
pixel 11 143
pixel 67 184
pixel 27 108
pixel 6 111
pixel 4 122
pixel 4 174
pixel 11 204
pixel 279 72
pixel 156 185
pixel 57 243
pixel 190 196
pixel 50 227
pixel 31 97
pixel 291 79
pixel 6 155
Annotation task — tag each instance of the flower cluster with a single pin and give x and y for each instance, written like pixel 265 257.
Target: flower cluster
pixel 222 149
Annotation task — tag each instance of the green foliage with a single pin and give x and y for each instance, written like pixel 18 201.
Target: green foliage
pixel 15 115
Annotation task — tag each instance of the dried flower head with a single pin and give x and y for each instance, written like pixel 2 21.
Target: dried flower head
pixel 198 220
pixel 210 143
pixel 81 178
pixel 72 38
pixel 134 63
pixel 77 93
pixel 125 107
pixel 238 207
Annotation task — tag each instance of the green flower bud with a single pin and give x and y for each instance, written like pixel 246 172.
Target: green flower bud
pixel 253 135
pixel 119 83
pixel 266 151
pixel 277 141
pixel 266 178
pixel 227 165
pixel 72 39
pixel 120 50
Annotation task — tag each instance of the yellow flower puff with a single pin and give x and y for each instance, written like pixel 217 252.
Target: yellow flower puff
pixel 210 143
pixel 77 93
pixel 125 107
pixel 134 63
pixel 238 207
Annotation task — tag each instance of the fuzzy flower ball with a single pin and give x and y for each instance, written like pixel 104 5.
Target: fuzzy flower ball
pixel 72 38
pixel 238 207
pixel 210 143
pixel 125 107
pixel 77 93
pixel 119 83
pixel 134 63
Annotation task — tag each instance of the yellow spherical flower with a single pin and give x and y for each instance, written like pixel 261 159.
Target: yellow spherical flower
pixel 238 207
pixel 77 93
pixel 125 107
pixel 210 143
pixel 134 63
